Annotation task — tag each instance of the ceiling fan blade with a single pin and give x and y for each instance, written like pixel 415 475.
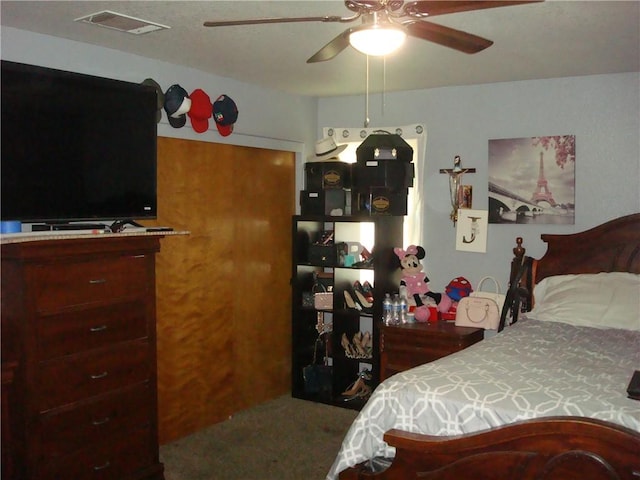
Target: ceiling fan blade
pixel 331 49
pixel 432 8
pixel 257 21
pixel 447 36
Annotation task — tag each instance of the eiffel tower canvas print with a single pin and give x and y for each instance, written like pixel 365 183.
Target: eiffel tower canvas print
pixel 532 180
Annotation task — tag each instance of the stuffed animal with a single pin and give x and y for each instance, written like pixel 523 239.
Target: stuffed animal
pixel 416 283
pixel 456 290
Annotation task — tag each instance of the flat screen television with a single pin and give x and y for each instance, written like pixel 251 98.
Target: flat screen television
pixel 76 147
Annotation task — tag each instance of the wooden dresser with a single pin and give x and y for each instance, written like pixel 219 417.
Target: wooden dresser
pixel 406 346
pixel 78 316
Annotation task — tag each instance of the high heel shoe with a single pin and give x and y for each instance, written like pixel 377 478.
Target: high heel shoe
pixel 348 348
pixel 364 392
pixel 364 294
pixel 359 388
pixel 354 388
pixel 367 260
pixel 367 344
pixel 356 303
pixel 349 301
pixel 359 346
pixel 368 289
pixel 363 301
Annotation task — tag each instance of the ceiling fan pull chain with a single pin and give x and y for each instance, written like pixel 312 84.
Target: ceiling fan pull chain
pixel 366 100
pixel 384 83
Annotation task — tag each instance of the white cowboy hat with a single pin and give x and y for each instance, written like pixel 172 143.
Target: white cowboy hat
pixel 326 149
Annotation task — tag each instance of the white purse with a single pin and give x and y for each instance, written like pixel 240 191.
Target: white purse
pixel 478 312
pixel 496 296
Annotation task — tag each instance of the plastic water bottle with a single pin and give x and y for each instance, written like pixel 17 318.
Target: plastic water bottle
pixel 387 309
pixel 396 309
pixel 404 309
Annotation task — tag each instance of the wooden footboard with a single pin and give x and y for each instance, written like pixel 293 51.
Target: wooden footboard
pixel 553 448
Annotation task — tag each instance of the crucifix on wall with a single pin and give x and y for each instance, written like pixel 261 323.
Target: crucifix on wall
pixel 457 191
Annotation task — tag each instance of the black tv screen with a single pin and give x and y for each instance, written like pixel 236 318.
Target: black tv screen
pixel 76 147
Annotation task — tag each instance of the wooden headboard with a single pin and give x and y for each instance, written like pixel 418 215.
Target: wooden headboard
pixel 613 246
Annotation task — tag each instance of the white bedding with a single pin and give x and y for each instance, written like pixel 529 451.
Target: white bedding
pixel 531 369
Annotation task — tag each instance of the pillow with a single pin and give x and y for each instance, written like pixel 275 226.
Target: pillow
pixel 600 300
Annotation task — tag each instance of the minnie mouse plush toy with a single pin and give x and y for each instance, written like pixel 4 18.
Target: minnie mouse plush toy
pixel 416 283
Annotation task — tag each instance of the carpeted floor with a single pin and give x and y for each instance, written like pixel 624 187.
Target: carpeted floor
pixel 283 439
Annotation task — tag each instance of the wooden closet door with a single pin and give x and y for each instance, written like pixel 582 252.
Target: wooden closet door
pixel 223 294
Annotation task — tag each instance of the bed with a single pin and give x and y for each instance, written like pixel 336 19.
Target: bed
pixel 543 399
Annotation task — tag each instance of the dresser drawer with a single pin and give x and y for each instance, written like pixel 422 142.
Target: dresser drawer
pixel 400 359
pixel 438 338
pixel 106 279
pixel 81 330
pixel 69 379
pixel 67 431
pixel 406 346
pixel 110 459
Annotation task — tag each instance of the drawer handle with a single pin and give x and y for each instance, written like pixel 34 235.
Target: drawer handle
pixel 106 464
pixel 98 375
pixel 102 421
pixel 99 328
pixel 96 281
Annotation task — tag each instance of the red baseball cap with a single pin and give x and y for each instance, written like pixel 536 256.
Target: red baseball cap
pixel 200 111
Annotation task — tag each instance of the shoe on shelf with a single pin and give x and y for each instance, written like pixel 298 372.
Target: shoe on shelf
pixel 368 263
pixel 367 259
pixel 355 387
pixel 362 344
pixel 359 388
pixel 357 343
pixel 363 393
pixel 365 294
pixel 362 300
pixel 349 301
pixel 367 344
pixel 368 288
pixel 348 348
pixel 355 302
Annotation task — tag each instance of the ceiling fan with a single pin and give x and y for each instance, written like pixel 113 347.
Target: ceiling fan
pixel 394 18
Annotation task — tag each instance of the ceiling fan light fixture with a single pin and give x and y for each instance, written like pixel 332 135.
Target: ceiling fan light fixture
pixel 377 40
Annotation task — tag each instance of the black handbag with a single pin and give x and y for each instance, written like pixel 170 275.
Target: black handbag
pixel 317 377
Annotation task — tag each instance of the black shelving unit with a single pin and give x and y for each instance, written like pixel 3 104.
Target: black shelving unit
pixel 382 233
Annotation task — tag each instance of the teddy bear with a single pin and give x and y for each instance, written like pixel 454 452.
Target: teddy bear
pixel 416 284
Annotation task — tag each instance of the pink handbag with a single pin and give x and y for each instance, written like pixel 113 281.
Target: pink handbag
pixel 323 300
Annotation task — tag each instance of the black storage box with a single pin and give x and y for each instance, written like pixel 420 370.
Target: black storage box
pixel 328 255
pixel 384 146
pixel 374 201
pixel 396 176
pixel 327 175
pixel 322 202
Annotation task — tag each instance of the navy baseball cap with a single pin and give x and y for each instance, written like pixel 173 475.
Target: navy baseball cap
pixel 225 113
pixel 177 104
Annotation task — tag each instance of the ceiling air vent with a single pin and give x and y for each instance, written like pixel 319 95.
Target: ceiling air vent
pixel 123 23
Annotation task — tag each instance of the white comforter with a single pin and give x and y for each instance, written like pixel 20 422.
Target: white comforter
pixel 532 369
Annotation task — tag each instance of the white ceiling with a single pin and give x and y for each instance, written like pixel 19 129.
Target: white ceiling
pixel 543 40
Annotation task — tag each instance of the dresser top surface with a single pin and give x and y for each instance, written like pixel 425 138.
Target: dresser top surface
pixel 79 234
